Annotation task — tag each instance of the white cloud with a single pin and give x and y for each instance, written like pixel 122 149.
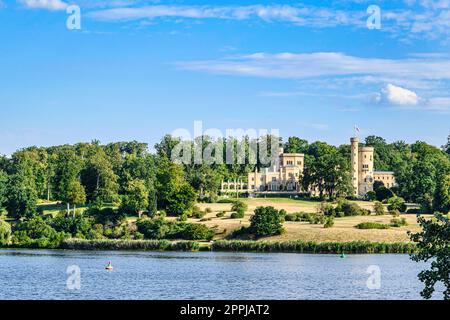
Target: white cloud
pixel 52 5
pixel 403 98
pixel 439 104
pixel 298 15
pixel 428 19
pixel 322 64
pixel 399 96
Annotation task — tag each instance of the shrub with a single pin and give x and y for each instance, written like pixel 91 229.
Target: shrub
pixel 316 218
pixel 383 193
pixel 197 213
pixel 371 195
pixel 346 208
pixel 300 217
pixel 208 210
pixel 156 228
pixel 237 215
pixel 104 216
pixel 77 226
pixel 395 213
pixel 329 222
pixel 290 217
pixel 226 201
pixel 192 231
pixel 397 223
pixel 378 208
pixel 220 214
pixel 239 207
pixel 326 209
pixel 396 203
pixel 36 233
pixel 160 245
pixel 5 232
pixel 159 228
pixel 372 225
pixel 266 222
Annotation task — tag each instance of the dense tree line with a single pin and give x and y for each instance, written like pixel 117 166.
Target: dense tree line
pixel 125 174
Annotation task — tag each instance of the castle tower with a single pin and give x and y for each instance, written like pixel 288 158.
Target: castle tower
pixel 355 163
pixel 365 174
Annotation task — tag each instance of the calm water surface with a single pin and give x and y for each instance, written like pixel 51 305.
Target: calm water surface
pixel 41 274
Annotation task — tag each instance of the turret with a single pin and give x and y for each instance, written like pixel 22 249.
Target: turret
pixel 355 163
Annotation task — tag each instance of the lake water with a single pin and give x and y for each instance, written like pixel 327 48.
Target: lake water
pixel 42 274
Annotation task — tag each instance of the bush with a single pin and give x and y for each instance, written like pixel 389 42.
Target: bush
pixel 397 223
pixel 106 215
pixel 372 225
pixel 329 222
pixel 192 231
pixel 350 209
pixel 226 201
pixel 239 207
pixel 160 245
pixel 383 193
pixel 326 209
pixel 371 195
pixel 237 215
pixel 156 228
pixel 5 233
pixel 77 226
pixel 396 203
pixel 300 217
pixel 395 213
pixel 266 222
pixel 291 217
pixel 208 210
pixel 159 228
pixel 36 233
pixel 378 208
pixel 197 213
pixel 220 214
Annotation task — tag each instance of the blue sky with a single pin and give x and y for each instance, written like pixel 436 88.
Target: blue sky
pixel 141 69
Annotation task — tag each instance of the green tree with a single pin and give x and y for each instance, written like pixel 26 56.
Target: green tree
pixel 74 194
pixel 99 178
pixel 433 244
pixel 296 145
pixel 442 196
pixel 446 147
pixel 327 171
pixel 3 189
pixel 68 167
pixel 34 163
pixel 174 194
pixel 396 204
pixel 267 221
pixel 21 196
pixel 136 197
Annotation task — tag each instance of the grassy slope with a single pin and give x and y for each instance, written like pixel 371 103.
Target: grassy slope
pixel 343 230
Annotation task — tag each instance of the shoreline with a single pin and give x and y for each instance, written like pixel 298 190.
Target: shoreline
pixel 251 246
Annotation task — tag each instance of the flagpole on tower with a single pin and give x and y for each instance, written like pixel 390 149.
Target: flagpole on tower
pixel 356 128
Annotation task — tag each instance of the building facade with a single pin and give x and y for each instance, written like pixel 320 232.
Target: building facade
pixel 286 174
